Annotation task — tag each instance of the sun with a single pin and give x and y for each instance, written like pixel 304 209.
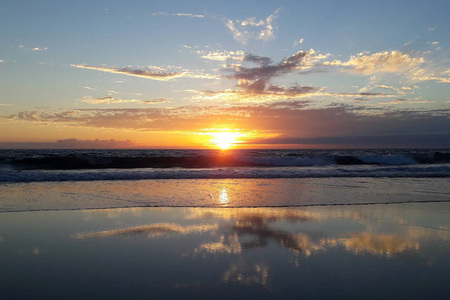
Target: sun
pixel 225 139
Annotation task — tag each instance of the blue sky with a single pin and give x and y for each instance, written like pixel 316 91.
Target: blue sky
pixel 174 74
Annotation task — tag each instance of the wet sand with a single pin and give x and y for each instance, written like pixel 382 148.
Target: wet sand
pixel 383 251
pixel 221 193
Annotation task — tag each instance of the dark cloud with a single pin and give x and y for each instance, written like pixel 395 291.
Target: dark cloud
pixel 432 140
pixel 92 144
pixel 155 73
pixel 266 70
pixel 260 60
pixel 71 144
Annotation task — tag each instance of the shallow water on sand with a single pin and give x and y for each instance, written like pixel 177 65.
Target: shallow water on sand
pixel 221 193
pixel 395 251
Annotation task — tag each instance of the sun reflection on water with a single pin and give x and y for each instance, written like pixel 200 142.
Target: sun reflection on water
pixel 223 197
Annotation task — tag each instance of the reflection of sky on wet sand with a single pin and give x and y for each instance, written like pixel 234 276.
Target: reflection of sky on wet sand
pixel 153 230
pixel 247 228
pixel 281 251
pixel 219 192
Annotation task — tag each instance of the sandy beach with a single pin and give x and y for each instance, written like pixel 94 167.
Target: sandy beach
pixel 395 251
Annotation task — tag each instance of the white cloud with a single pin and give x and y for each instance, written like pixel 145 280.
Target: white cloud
pixel 188 15
pixel 112 100
pixel 387 61
pixel 161 13
pixel 251 28
pixel 33 48
pixel 427 75
pixel 296 43
pixel 223 55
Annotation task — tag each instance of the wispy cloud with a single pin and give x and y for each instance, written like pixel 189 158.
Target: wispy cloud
pixel 151 72
pixel 92 144
pixel 222 55
pixel 33 48
pixel 71 143
pixel 251 28
pixel 429 75
pixel 387 61
pixel 112 100
pixel 188 15
pixel 160 13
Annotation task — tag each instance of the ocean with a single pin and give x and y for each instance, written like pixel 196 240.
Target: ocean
pixel 89 165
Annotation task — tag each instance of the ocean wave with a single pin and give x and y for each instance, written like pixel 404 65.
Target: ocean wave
pixel 89 165
pixel 416 171
pixel 129 159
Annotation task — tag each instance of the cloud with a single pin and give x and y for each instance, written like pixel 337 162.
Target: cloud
pixel 178 14
pixel 296 43
pixel 112 100
pixel 256 91
pixel 251 28
pixel 427 75
pixel 92 144
pixel 1 60
pixel 70 144
pixel 222 55
pixel 387 87
pixel 289 122
pixel 159 13
pixel 254 83
pixel 152 230
pixel 188 15
pixel 265 69
pixel 387 61
pixel 406 101
pixel 152 72
pixel 426 140
pixel 33 48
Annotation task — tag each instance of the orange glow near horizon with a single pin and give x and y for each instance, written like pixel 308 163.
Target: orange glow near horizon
pixel 225 139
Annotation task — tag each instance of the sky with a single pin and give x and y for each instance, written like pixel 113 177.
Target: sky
pixel 219 74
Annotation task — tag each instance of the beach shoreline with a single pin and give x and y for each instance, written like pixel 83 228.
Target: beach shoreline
pixel 221 193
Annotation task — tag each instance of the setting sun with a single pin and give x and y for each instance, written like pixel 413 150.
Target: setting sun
pixel 225 139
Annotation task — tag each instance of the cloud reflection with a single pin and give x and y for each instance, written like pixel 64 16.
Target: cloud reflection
pixel 153 230
pixel 381 244
pixel 241 236
pixel 253 226
pixel 235 230
pixel 247 275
